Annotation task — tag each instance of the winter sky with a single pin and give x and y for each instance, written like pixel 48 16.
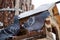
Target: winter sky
pixel 37 3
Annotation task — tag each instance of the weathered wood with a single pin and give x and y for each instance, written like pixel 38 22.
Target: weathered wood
pixel 55 10
pixel 26 5
pixel 56 22
pixel 16 6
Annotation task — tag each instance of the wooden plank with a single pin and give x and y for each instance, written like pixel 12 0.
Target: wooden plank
pixel 17 6
pixel 55 10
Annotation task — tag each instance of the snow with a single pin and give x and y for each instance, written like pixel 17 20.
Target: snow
pixel 35 11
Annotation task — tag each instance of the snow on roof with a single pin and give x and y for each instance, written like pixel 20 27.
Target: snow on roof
pixel 32 12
